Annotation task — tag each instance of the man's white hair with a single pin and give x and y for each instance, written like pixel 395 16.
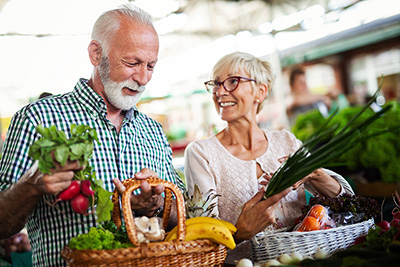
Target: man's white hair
pixel 108 23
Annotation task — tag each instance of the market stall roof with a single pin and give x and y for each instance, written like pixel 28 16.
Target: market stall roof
pixel 43 43
pixel 366 34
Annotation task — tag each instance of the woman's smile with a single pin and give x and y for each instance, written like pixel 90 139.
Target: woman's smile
pixel 227 104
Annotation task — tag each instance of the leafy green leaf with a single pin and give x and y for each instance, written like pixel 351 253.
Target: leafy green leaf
pixel 61 154
pixel 104 205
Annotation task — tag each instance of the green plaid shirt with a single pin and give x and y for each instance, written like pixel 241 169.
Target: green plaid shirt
pixel 140 144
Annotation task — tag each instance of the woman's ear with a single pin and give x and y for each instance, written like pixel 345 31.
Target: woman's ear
pixel 94 50
pixel 262 92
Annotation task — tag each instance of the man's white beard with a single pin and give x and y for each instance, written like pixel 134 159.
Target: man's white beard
pixel 113 90
pixel 114 93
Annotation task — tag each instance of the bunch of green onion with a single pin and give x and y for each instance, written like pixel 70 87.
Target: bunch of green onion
pixel 309 157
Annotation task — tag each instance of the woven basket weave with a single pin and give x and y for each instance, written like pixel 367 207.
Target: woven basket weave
pixel 172 253
pixel 266 246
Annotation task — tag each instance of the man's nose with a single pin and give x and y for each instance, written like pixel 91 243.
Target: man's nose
pixel 142 76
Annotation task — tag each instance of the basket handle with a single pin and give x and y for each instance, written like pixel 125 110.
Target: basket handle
pixel 132 184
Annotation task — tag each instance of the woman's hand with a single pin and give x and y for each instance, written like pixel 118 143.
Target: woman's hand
pixel 149 199
pixel 322 182
pixel 256 215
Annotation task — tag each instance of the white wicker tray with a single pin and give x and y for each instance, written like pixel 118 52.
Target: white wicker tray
pixel 266 246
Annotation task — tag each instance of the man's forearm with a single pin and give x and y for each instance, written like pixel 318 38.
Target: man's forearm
pixel 16 204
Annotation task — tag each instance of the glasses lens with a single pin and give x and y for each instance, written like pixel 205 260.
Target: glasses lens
pixel 231 83
pixel 210 85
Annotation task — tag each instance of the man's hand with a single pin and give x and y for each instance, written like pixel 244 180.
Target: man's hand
pixel 149 199
pixel 53 183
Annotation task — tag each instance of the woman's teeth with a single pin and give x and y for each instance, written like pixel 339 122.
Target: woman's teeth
pixel 227 104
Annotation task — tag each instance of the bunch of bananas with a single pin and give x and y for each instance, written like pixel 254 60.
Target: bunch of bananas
pixel 216 230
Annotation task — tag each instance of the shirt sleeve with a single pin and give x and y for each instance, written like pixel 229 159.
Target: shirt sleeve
pixel 15 160
pixel 197 171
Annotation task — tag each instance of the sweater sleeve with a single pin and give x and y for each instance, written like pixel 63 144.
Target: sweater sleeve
pixel 197 171
pixel 345 186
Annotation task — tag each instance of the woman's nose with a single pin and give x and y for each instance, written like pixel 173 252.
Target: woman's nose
pixel 221 91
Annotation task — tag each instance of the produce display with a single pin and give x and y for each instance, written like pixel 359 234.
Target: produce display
pixel 380 153
pixel 327 144
pixel 347 209
pixel 85 190
pixel 379 247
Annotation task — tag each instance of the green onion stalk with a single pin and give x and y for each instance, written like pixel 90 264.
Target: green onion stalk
pixel 309 157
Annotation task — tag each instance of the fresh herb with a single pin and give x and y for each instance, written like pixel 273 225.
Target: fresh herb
pixel 120 234
pixel 54 147
pixel 309 157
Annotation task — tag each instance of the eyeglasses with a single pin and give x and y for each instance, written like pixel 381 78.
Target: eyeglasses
pixel 230 84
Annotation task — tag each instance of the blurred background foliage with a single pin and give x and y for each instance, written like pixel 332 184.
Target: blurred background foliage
pixel 378 157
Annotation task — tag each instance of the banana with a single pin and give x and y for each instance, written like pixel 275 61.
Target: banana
pixel 229 225
pixel 204 219
pixel 215 232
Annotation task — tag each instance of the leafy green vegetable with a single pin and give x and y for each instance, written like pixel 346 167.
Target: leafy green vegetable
pixel 120 233
pixel 54 146
pixel 310 157
pixel 97 238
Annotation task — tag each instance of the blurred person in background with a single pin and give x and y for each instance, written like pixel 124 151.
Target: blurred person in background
pixel 239 160
pixel 16 250
pixel 301 99
pixel 123 52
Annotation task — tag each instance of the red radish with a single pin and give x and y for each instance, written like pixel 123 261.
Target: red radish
pixel 80 204
pixel 86 188
pixel 384 225
pixel 360 240
pixel 71 192
pixel 395 223
pixel 396 215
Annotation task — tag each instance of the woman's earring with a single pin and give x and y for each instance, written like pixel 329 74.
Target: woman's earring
pixel 258 100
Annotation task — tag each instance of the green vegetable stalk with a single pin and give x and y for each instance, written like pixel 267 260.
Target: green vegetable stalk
pixel 309 157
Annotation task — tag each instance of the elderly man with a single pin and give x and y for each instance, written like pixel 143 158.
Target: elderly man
pixel 123 51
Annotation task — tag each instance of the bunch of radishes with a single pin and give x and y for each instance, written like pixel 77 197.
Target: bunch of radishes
pixel 385 226
pixel 79 194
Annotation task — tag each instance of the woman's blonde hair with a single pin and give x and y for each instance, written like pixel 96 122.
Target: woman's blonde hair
pixel 257 69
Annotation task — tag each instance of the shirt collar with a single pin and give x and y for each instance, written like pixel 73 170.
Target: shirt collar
pixel 94 103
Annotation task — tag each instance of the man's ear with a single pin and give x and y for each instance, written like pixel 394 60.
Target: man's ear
pixel 94 50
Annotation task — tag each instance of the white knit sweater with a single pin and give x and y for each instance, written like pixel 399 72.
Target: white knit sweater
pixel 209 165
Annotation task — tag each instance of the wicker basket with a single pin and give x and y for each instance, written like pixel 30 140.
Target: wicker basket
pixel 172 253
pixel 267 246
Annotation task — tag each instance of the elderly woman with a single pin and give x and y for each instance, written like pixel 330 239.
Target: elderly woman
pixel 238 161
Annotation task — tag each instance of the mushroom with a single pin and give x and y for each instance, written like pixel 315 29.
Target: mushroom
pixel 155 233
pixel 142 224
